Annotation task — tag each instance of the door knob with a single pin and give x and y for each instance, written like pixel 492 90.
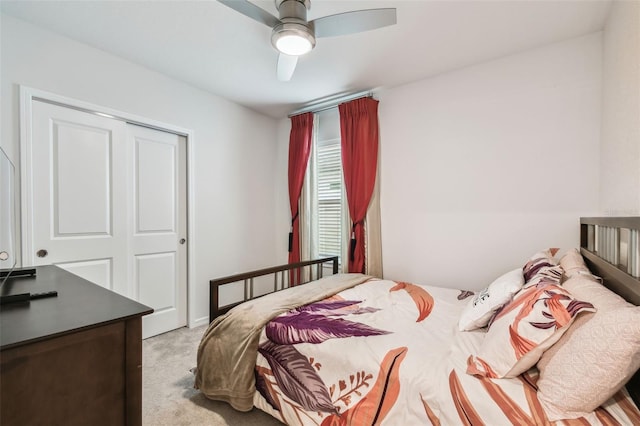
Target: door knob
pixel 182 241
pixel 42 253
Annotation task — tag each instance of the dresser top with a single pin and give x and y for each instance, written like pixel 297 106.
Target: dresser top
pixel 80 304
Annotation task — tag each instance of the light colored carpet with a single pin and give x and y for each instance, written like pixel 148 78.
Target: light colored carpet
pixel 168 396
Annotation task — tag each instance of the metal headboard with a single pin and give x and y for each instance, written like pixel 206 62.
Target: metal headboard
pixel 610 247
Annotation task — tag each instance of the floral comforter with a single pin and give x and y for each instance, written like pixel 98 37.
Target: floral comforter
pixel 389 353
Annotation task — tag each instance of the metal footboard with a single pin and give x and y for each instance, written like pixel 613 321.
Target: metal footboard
pixel 283 277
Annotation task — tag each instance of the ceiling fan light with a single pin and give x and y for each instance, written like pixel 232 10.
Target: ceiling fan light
pixel 292 40
pixel 293 44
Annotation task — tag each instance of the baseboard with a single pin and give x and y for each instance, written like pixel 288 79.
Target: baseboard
pixel 198 322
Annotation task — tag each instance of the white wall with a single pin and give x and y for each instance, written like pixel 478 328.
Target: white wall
pixel 234 149
pixel 620 153
pixel 483 166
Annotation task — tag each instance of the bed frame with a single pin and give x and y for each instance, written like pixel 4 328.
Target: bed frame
pixel 610 247
pixel 281 280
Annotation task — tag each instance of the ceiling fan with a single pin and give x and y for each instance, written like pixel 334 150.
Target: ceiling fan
pixel 292 35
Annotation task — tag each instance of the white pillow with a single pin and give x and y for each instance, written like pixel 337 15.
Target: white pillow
pixel 485 303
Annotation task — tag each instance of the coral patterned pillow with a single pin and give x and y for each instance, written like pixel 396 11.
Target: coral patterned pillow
pixel 542 267
pixel 535 319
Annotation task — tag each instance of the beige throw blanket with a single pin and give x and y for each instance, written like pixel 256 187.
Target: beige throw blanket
pixel 228 350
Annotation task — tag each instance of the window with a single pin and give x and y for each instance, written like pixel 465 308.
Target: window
pixel 327 193
pixel 325 224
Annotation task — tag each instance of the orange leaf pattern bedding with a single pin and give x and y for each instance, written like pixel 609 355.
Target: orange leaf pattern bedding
pixel 390 353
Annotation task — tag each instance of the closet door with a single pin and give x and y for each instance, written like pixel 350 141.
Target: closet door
pixel 158 233
pixel 109 204
pixel 79 195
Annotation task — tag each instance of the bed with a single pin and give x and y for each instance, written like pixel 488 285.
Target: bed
pixel 551 342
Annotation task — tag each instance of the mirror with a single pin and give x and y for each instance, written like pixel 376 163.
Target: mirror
pixel 7 216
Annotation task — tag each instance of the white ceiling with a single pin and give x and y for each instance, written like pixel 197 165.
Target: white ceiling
pixel 214 48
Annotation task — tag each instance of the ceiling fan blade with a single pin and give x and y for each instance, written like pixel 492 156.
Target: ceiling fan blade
pixel 286 66
pixel 252 11
pixel 354 22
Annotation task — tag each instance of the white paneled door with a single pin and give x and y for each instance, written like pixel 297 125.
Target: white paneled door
pixel 108 203
pixel 159 227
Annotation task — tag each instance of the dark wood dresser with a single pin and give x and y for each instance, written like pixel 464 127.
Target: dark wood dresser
pixel 74 359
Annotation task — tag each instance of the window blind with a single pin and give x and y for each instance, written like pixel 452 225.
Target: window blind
pixel 329 196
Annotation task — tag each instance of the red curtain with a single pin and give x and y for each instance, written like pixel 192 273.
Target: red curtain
pixel 359 132
pixel 299 150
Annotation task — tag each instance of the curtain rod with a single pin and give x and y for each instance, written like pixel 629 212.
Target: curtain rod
pixel 331 102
